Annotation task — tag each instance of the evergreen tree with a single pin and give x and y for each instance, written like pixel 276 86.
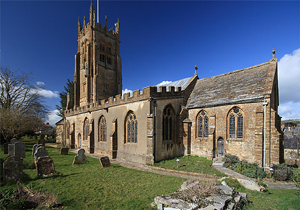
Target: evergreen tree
pixel 69 88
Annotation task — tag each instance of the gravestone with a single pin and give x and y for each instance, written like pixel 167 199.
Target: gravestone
pixel 80 157
pixel 105 161
pixel 12 169
pixel 45 166
pixel 20 149
pixel 40 152
pixel 34 148
pixel 64 150
pixel 11 149
pixel 5 145
pixel 13 140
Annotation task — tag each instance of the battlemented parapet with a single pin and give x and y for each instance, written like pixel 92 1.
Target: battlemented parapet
pixel 137 95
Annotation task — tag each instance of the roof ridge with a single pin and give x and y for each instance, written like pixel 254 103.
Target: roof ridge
pixel 235 71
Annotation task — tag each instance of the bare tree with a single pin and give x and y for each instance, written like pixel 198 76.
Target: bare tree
pixel 21 107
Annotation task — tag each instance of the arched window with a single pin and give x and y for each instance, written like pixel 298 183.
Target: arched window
pixel 102 129
pixel 68 130
pixel 236 123
pixel 131 128
pixel 202 125
pixel 86 129
pixel 168 123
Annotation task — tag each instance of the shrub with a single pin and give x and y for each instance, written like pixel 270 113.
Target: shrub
pixel 296 176
pixel 250 170
pixel 230 160
pixel 281 172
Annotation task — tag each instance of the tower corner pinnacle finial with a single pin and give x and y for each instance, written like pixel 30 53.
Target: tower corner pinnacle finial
pixel 273 53
pixel 196 68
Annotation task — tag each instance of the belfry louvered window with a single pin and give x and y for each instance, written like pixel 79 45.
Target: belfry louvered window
pixel 131 128
pixel 236 124
pixel 202 125
pixel 168 117
pixel 102 129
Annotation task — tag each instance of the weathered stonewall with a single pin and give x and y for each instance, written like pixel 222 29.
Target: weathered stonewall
pixel 5 145
pixel 45 166
pixel 80 157
pixel 12 169
pixel 40 152
pixel 35 146
pixel 105 161
pixel 20 149
pixel 64 150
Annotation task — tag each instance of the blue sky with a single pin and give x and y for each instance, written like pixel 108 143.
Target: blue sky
pixel 160 41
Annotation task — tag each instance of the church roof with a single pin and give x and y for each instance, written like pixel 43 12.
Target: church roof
pixel 179 83
pixel 239 86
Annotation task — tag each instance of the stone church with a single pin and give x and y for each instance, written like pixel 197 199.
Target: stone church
pixel 234 113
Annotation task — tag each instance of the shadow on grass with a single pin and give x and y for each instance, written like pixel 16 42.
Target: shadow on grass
pixel 26 178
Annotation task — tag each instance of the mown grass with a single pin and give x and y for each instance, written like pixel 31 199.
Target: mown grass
pixel 89 186
pixel 191 164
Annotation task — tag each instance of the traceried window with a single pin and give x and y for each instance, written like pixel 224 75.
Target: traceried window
pixel 168 123
pixel 236 123
pixel 102 129
pixel 131 128
pixel 86 129
pixel 202 125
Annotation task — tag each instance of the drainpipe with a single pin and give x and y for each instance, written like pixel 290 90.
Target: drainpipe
pixel 265 103
pixel 65 129
pixel 154 128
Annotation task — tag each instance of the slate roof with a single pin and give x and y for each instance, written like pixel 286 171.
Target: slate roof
pixel 239 86
pixel 179 83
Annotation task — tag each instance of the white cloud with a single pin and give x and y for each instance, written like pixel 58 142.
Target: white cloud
pixel 53 118
pixel 40 84
pixel 289 75
pixel 289 85
pixel 163 83
pixel 46 93
pixel 126 91
pixel 289 110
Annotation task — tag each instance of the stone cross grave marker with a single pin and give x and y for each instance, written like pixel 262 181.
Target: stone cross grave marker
pixel 64 150
pixel 12 169
pixel 105 161
pixel 40 152
pixel 20 149
pixel 5 145
pixel 80 157
pixel 45 166
pixel 34 148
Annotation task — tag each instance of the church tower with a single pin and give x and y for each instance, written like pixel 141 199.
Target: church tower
pixel 98 65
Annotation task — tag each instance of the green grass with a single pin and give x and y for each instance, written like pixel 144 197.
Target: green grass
pixel 191 164
pixel 89 186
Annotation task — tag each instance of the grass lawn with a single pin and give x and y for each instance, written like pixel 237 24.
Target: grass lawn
pixel 89 186
pixel 191 164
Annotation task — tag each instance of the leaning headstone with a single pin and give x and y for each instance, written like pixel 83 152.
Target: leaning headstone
pixel 20 149
pixel 64 150
pixel 40 152
pixel 11 149
pixel 105 161
pixel 80 157
pixel 14 140
pixel 5 145
pixel 45 166
pixel 34 148
pixel 12 169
